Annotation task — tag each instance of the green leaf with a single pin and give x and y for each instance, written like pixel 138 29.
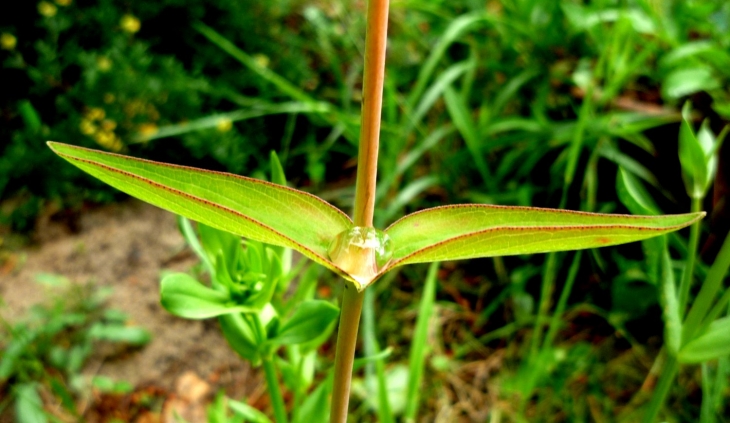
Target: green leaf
pixel 670 305
pixel 247 412
pixel 419 344
pixel 184 296
pixel 309 320
pixel 243 206
pixel 277 170
pixel 714 343
pixel 693 157
pixel 315 409
pixel 480 230
pixel 28 404
pixel 633 194
pixel 686 81
pixel 240 336
pixel 117 333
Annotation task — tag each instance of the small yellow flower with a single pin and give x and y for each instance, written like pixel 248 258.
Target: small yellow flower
pixel 147 129
pixel 47 9
pixel 64 2
pixel 8 41
pixel 130 23
pixel 87 127
pixel 108 125
pixel 103 63
pixel 95 113
pixel 108 140
pixel 224 125
pixel 262 60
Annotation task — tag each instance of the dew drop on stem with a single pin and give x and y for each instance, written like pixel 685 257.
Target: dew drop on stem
pixel 361 252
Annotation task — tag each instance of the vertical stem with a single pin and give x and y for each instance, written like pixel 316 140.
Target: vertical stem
pixel 277 401
pixel 706 296
pixel 372 102
pixel 367 170
pixel 694 240
pixel 345 355
pixel 669 372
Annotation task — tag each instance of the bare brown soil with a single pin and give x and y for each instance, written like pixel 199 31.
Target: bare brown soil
pixel 125 246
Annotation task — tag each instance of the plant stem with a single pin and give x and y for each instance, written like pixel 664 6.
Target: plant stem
pixel 346 342
pixel 706 296
pixel 372 102
pixel 694 240
pixel 277 401
pixel 671 366
pixel 364 207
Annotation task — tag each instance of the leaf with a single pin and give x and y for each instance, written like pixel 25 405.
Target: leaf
pixel 28 404
pixel 633 194
pixel 481 230
pixel 685 81
pixel 714 343
pixel 247 412
pixel 184 296
pixel 693 157
pixel 309 320
pixel 240 337
pixel 243 206
pixel 670 304
pixel 117 333
pixel 419 344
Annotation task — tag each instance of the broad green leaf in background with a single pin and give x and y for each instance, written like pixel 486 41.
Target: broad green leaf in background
pixel 714 343
pixel 184 296
pixel 247 207
pixel 309 320
pixel 479 230
pixel 119 333
pixel 684 81
pixel 28 404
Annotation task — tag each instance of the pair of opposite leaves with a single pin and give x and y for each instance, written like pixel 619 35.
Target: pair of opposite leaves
pixel 283 216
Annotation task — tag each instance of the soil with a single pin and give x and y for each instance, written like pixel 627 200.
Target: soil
pixel 125 246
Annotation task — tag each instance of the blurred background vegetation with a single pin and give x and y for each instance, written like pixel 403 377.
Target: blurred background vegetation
pixel 522 102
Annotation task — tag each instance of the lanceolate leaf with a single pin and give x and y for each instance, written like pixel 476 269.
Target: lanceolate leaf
pixel 477 230
pixel 247 207
pixel 710 345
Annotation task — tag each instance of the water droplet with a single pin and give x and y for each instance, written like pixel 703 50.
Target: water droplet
pixel 361 252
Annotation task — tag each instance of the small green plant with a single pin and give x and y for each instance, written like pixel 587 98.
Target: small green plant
pixel 353 248
pixel 47 350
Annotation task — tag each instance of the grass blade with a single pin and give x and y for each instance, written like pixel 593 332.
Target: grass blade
pixel 419 349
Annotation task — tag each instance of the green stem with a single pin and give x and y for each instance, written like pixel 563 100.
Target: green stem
pixel 277 401
pixel 375 371
pixel 365 188
pixel 710 287
pixel 547 287
pixel 346 342
pixel 671 367
pixel 694 240
pixel 562 302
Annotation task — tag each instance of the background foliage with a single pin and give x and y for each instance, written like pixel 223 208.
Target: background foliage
pixel 511 102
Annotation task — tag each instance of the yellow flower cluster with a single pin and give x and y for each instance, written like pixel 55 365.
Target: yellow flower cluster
pixel 100 129
pixel 224 125
pixel 8 41
pixel 47 9
pixel 130 23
